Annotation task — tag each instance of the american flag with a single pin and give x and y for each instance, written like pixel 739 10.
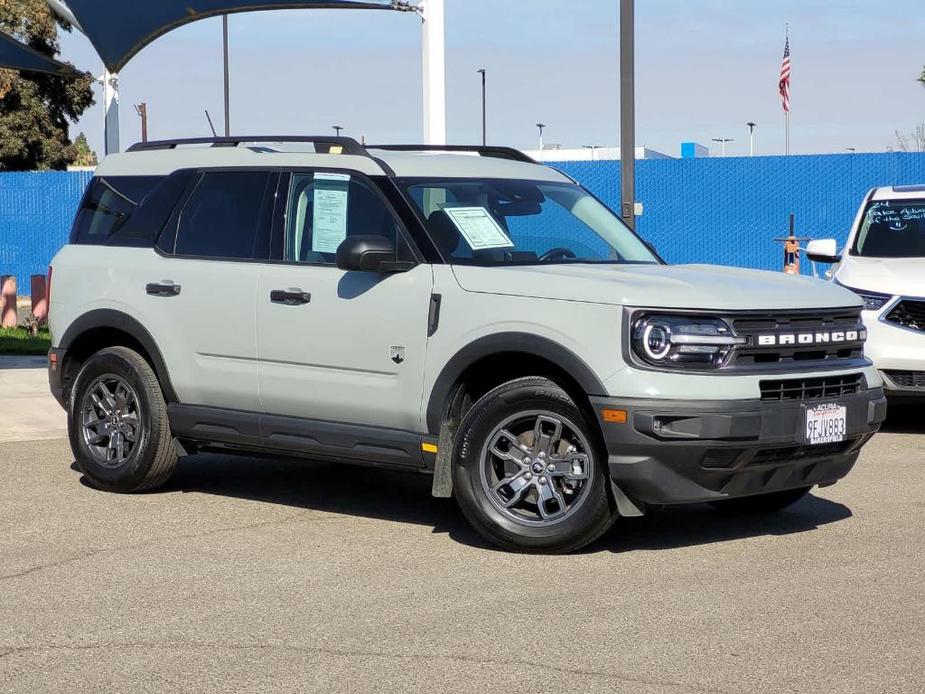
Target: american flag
pixel 784 85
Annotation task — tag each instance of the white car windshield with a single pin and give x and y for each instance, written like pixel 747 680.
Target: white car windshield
pixel 511 222
pixel 892 229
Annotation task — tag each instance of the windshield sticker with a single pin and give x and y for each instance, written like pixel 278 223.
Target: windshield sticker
pixel 895 219
pixel 329 217
pixel 480 230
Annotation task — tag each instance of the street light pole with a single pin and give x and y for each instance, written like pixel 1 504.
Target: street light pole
pixel 751 138
pixel 142 111
pixel 628 112
pixel 482 72
pixel 723 141
pixel 542 127
pixel 227 76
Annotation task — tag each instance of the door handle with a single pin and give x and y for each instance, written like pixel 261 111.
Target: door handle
pixel 290 297
pixel 166 288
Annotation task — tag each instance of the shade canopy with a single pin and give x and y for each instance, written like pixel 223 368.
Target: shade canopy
pixel 19 56
pixel 118 29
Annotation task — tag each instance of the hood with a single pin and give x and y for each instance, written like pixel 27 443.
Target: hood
pixel 708 287
pixel 894 276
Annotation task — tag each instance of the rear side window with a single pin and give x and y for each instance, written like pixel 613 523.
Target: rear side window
pixel 108 205
pixel 228 215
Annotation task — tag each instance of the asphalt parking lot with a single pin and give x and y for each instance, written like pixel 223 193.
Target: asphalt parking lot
pixel 248 575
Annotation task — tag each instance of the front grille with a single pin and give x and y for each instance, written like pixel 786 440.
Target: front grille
pixel 908 380
pixel 908 313
pixel 794 338
pixel 794 454
pixel 811 388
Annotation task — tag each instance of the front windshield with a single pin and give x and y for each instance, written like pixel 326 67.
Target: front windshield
pixel 892 229
pixel 492 222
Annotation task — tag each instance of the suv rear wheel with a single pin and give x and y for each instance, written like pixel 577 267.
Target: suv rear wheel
pixel 528 472
pixel 118 425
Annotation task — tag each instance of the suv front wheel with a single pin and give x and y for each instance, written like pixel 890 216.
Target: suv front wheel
pixel 528 472
pixel 118 424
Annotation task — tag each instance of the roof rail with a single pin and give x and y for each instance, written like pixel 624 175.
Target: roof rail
pixel 323 143
pixel 490 151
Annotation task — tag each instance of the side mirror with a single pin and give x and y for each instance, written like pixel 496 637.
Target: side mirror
pixel 369 254
pixel 823 251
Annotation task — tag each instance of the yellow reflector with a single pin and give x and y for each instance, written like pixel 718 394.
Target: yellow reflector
pixel 429 447
pixel 614 416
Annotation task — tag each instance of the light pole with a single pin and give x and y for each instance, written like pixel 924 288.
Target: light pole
pixel 723 141
pixel 227 76
pixel 751 138
pixel 593 149
pixel 337 129
pixel 482 72
pixel 628 112
pixel 542 127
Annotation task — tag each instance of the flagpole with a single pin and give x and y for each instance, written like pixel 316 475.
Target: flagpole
pixel 787 112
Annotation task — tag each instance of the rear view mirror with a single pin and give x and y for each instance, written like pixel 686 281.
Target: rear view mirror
pixel 823 251
pixel 369 254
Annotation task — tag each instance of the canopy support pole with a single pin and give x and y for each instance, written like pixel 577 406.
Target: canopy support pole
pixel 111 111
pixel 434 63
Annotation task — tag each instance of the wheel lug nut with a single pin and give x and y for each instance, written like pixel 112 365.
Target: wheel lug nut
pixel 526 460
pixel 551 468
pixel 529 476
pixel 542 455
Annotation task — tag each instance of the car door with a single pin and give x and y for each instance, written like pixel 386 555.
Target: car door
pixel 200 288
pixel 341 346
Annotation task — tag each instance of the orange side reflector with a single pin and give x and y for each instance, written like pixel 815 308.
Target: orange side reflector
pixel 614 416
pixel 429 447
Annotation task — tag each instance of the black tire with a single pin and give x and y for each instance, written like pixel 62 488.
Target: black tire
pixel 581 523
pixel 760 504
pixel 152 458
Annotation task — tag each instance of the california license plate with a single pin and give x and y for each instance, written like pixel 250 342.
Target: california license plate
pixel 826 423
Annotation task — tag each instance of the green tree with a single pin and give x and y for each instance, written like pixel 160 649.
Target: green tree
pixel 36 109
pixel 84 156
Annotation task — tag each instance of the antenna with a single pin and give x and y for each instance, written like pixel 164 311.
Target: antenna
pixel 211 127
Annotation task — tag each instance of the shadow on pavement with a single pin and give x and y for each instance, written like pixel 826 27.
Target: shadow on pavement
pixel 699 524
pixel 906 418
pixel 405 498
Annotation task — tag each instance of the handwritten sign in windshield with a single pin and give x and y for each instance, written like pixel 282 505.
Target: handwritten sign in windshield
pixel 896 217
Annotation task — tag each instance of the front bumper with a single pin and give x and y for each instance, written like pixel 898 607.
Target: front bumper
pixel 676 452
pixel 898 353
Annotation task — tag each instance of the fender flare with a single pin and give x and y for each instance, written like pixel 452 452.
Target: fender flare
pixel 110 318
pixel 500 343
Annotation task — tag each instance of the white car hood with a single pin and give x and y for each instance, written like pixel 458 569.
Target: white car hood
pixel 894 276
pixel 709 287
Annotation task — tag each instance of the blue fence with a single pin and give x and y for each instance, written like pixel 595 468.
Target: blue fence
pixel 724 211
pixel 36 211
pixel 727 211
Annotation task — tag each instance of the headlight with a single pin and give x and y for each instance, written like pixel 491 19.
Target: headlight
pixel 683 341
pixel 873 301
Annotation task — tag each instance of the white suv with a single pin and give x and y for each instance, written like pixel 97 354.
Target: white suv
pixel 884 263
pixel 458 311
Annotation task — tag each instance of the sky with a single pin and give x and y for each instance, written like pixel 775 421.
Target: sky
pixel 704 69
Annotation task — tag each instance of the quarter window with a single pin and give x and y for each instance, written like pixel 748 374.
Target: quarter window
pixel 228 216
pixel 108 205
pixel 325 208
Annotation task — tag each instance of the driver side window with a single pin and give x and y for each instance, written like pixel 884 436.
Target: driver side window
pixel 325 208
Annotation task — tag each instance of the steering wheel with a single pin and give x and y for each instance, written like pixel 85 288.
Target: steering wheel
pixel 557 253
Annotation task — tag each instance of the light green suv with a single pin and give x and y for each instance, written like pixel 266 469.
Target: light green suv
pixel 458 311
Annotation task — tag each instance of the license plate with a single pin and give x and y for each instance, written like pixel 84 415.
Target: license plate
pixel 826 424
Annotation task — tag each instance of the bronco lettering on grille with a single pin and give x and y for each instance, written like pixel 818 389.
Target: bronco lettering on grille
pixel 816 338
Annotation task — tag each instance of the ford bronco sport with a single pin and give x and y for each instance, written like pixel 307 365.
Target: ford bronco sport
pixel 457 311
